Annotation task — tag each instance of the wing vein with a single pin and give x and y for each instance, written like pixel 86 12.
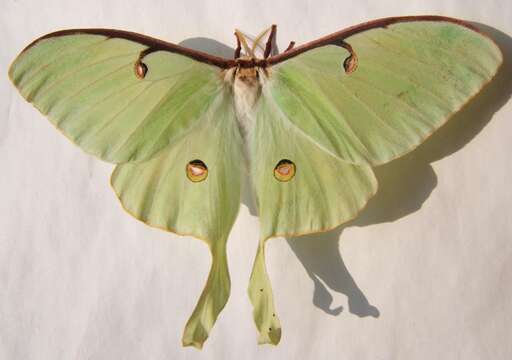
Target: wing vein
pixel 447 51
pixel 440 100
pixel 415 59
pixel 76 71
pixel 96 81
pixel 44 66
pixel 196 93
pixel 108 121
pixel 302 133
pixel 342 118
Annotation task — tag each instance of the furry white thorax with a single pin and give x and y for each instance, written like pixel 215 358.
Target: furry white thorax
pixel 246 92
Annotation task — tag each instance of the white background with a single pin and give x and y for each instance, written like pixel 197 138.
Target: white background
pixel 424 273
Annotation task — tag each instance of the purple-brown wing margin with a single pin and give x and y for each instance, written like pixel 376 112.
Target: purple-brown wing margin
pixel 223 63
pixel 338 37
pixel 152 43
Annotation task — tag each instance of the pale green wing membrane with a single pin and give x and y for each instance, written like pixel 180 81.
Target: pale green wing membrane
pixel 87 86
pixel 163 194
pixel 330 125
pixel 166 114
pixel 315 191
pixel 410 77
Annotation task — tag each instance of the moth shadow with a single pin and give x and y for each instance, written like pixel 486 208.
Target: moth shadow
pixel 209 46
pixel 404 185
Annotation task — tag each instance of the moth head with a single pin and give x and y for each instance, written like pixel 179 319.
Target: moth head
pixel 249 77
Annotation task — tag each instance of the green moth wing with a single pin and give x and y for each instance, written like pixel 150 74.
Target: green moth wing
pixel 162 194
pixel 315 191
pixel 325 122
pixel 86 82
pixel 165 114
pixel 411 76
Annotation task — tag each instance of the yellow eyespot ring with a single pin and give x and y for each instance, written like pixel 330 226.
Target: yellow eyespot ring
pixel 196 170
pixel 284 170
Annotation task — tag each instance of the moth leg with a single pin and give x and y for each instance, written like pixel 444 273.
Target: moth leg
pixel 271 42
pixel 290 46
pixel 350 63
pixel 238 49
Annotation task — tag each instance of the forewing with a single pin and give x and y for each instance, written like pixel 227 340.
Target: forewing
pixel 87 86
pixel 411 76
pixel 160 193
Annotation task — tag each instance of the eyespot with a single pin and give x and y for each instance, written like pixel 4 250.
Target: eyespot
pixel 141 69
pixel 196 171
pixel 350 64
pixel 284 170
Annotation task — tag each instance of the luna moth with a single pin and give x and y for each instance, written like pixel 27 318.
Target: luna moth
pixel 306 126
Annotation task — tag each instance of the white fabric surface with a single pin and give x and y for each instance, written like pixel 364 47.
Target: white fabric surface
pixel 424 273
